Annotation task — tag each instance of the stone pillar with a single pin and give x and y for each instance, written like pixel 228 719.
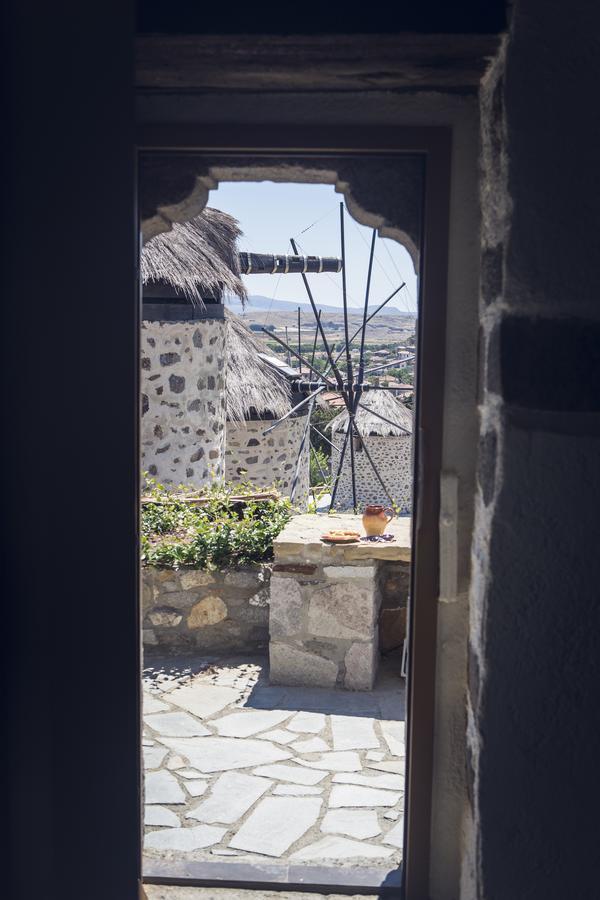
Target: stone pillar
pixel 183 401
pixel 325 603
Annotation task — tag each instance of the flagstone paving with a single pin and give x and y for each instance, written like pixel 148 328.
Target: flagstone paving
pixel 239 769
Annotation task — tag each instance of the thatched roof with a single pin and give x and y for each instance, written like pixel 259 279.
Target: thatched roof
pixel 384 403
pixel 198 258
pixel 254 388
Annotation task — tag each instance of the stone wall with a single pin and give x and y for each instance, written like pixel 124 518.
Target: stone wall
pixel 211 611
pixel 271 459
pixel 393 458
pixel 535 618
pixel 183 400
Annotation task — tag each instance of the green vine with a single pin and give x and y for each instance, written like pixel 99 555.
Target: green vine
pixel 218 534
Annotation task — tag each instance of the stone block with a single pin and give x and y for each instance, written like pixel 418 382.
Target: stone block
pixel 293 666
pixel 361 666
pixel 165 575
pixel 195 578
pixel 342 610
pixel 165 616
pixel 286 607
pixel 207 611
pixel 147 592
pixel 260 599
pixel 149 638
pixel 179 599
pixel 350 573
pixel 242 579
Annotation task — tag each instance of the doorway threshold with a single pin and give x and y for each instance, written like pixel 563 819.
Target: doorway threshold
pixel 378 880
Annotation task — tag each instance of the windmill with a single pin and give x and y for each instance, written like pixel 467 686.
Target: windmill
pixel 340 375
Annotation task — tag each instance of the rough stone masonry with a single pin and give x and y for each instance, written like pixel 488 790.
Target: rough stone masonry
pixel 327 603
pixel 183 401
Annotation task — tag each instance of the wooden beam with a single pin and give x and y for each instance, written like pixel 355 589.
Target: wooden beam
pixel 312 62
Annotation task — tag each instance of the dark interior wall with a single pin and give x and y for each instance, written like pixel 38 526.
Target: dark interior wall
pixel 68 453
pixel 428 16
pixel 535 641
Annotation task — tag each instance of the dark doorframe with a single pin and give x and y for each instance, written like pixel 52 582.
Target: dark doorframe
pixel 435 145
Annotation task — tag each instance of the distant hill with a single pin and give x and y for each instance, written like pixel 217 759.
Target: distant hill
pixel 257 303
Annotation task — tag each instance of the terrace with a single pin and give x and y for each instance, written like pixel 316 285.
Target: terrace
pixel 291 754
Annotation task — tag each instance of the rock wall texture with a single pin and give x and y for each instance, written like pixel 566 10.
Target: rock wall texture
pixel 271 459
pixel 535 616
pixel 183 401
pixel 393 459
pixel 212 611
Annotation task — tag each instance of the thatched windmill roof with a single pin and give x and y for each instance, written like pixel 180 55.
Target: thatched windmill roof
pixel 386 405
pixel 198 258
pixel 254 388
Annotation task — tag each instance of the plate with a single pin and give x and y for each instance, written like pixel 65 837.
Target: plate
pixel 340 540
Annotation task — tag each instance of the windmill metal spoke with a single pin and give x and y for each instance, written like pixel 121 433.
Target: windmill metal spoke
pixel 312 359
pixel 388 365
pixel 349 376
pixel 381 387
pixel 361 358
pixel 316 458
pixel 371 316
pixel 332 364
pixel 289 362
pixel 298 356
pixel 294 409
pixel 353 471
pixel 305 435
pixel 339 470
pixel 373 466
pixel 314 427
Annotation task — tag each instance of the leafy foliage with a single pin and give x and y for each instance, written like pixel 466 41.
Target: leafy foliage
pixel 219 533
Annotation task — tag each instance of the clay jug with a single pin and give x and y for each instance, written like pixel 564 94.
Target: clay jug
pixel 375 519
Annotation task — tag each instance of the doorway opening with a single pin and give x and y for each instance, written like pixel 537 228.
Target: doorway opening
pixel 280 759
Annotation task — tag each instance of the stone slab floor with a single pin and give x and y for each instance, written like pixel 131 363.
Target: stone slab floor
pixel 238 770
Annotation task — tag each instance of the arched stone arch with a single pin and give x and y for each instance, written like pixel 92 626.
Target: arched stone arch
pixel 381 191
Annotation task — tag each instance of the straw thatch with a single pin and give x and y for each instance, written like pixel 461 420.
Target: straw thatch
pixel 254 388
pixel 386 405
pixel 197 258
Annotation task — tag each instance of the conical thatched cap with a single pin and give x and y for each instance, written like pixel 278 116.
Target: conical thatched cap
pixel 386 405
pixel 198 258
pixel 254 388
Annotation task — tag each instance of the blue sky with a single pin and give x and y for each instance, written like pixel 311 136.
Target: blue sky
pixel 269 214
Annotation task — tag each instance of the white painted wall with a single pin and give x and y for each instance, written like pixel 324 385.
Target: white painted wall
pixel 393 459
pixel 183 401
pixel 270 459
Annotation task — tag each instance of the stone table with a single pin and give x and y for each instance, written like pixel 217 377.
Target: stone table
pixel 325 602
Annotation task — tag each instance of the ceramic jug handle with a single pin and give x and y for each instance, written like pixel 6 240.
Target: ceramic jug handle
pixel 390 510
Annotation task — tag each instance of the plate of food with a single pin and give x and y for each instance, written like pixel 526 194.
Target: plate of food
pixel 341 536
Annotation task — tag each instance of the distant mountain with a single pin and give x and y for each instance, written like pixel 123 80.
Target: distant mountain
pixel 258 303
